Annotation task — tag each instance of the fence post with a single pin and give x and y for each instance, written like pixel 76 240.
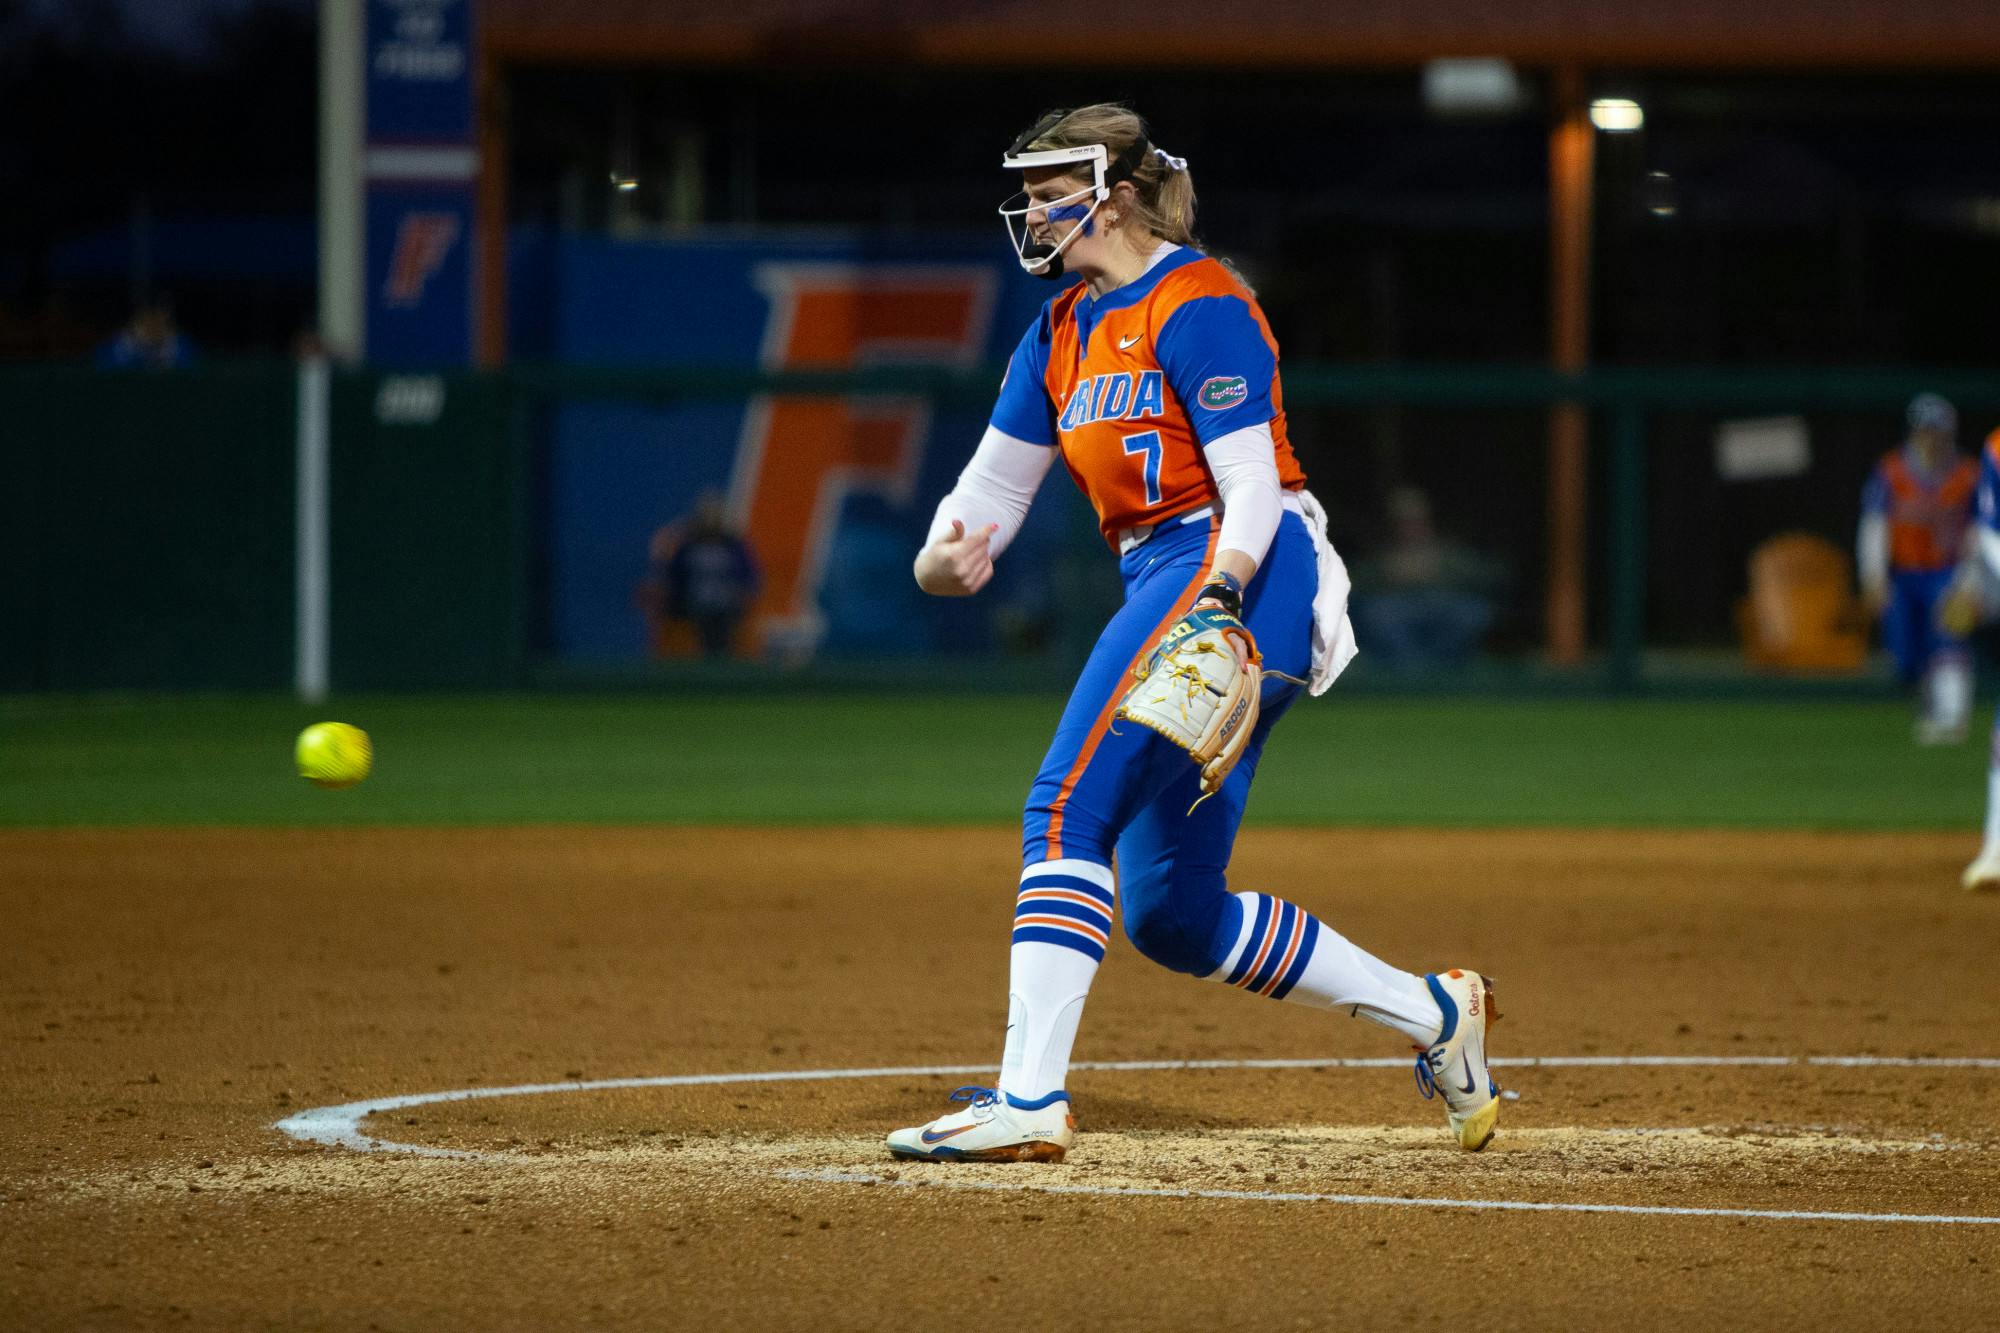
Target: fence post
pixel 1628 543
pixel 312 533
pixel 523 620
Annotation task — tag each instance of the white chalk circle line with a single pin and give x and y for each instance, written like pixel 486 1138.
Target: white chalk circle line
pixel 340 1127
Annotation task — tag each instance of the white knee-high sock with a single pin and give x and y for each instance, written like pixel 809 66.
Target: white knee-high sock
pixel 1950 700
pixel 1062 921
pixel 1287 953
pixel 1992 845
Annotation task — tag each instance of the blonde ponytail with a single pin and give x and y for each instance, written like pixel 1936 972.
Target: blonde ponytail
pixel 1164 189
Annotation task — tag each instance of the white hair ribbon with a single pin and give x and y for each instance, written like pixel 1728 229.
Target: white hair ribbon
pixel 1173 163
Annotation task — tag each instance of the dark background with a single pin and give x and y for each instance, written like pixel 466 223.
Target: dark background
pixel 167 150
pixel 1812 219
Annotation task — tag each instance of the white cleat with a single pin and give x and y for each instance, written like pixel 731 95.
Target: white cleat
pixel 1929 732
pixel 1983 875
pixel 1455 1066
pixel 990 1129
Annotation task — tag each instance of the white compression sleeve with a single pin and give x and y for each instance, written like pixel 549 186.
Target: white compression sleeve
pixel 997 486
pixel 1871 551
pixel 1245 464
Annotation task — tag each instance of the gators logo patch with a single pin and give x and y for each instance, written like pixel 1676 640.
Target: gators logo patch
pixel 1223 391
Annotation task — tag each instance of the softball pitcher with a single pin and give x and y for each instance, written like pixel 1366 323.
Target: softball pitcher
pixel 1156 379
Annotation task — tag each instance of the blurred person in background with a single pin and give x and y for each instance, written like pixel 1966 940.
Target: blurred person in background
pixel 149 341
pixel 704 575
pixel 1425 600
pixel 1917 569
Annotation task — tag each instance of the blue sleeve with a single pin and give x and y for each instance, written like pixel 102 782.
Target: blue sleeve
pixel 1875 494
pixel 1023 409
pixel 1988 502
pixel 1219 365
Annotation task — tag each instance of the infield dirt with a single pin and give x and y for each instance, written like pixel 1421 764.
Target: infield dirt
pixel 169 995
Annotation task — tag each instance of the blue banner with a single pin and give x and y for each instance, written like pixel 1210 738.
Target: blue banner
pixel 422 169
pixel 420 71
pixel 419 241
pixel 830 498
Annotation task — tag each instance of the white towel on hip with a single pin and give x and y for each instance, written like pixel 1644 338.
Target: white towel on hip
pixel 1333 645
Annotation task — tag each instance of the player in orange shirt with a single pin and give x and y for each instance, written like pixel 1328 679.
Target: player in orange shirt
pixel 1156 379
pixel 1914 562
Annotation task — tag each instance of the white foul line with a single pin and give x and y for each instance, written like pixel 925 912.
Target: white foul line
pixel 838 1177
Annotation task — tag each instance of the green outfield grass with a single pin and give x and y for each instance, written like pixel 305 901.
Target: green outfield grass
pixel 842 758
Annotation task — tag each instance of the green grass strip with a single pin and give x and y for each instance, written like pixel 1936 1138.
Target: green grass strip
pixel 830 759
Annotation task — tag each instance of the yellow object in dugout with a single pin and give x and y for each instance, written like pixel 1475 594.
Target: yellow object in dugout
pixel 333 754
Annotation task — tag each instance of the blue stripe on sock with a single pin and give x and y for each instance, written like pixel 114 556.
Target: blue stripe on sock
pixel 1305 956
pixel 1068 939
pixel 1057 907
pixel 1081 885
pixel 1287 915
pixel 1057 1096
pixel 1250 945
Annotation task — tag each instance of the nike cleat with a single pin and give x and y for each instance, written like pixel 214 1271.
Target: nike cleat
pixel 1983 875
pixel 1455 1065
pixel 990 1129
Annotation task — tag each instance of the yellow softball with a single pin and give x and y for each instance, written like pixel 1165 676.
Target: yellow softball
pixel 333 754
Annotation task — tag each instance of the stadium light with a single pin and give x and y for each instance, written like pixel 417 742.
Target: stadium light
pixel 1617 115
pixel 624 184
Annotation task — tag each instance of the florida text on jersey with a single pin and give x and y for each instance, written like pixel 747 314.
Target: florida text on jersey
pixel 1133 384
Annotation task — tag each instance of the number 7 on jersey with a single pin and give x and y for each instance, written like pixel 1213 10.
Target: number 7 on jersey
pixel 1147 443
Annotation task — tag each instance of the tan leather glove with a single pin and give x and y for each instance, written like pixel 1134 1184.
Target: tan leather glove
pixel 1196 692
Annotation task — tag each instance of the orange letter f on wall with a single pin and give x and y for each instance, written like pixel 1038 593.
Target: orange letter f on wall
pixel 800 458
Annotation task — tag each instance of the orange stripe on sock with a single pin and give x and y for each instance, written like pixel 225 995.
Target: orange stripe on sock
pixel 1066 922
pixel 1270 938
pixel 1103 723
pixel 1063 896
pixel 1298 935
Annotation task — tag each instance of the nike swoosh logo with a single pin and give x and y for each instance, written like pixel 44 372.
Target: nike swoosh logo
pixel 1124 343
pixel 929 1137
pixel 1471 1084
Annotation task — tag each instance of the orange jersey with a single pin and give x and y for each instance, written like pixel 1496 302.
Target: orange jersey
pixel 1927 512
pixel 1133 385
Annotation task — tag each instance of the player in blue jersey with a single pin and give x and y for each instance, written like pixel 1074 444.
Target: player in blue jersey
pixel 1155 378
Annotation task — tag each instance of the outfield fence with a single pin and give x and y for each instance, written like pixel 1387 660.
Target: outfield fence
pixel 480 531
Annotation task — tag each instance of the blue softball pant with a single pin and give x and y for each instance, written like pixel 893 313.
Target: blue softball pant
pixel 1122 789
pixel 1909 623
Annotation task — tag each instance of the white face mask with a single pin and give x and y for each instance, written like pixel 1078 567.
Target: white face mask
pixel 1038 258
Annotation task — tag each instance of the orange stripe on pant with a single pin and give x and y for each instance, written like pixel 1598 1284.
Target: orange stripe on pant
pixel 1103 723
